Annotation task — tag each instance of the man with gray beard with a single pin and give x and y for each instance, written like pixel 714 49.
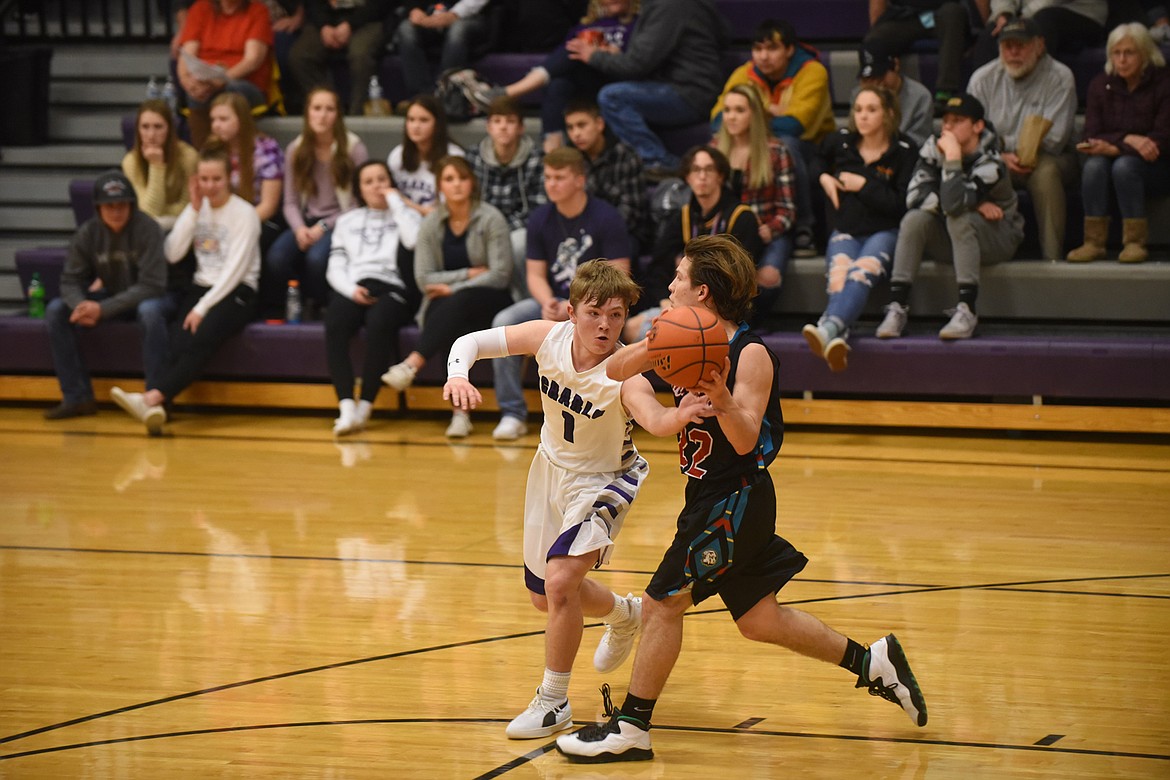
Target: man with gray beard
pixel 1024 91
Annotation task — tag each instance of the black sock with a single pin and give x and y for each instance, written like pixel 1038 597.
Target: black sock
pixel 638 709
pixel 854 659
pixel 967 294
pixel 900 293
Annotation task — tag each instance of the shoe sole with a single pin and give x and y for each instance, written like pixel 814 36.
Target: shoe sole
pixel 633 754
pixel 813 339
pixel 547 731
pixel 837 355
pixel 154 420
pixel 901 665
pixel 118 396
pixel 955 336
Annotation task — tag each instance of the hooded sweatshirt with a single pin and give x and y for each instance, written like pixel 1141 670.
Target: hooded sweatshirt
pixel 802 94
pixel 130 264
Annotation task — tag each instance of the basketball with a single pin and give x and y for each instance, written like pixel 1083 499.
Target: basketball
pixel 686 344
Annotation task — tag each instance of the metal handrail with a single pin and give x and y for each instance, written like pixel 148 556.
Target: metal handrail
pixel 89 21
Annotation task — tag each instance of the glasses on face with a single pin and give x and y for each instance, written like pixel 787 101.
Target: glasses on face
pixel 704 170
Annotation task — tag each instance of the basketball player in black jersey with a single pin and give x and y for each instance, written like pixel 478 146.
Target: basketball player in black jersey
pixel 726 540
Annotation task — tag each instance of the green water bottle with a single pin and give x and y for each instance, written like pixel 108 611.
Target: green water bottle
pixel 36 298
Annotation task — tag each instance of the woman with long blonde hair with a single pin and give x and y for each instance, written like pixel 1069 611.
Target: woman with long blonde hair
pixel 159 165
pixel 762 173
pixel 257 162
pixel 317 189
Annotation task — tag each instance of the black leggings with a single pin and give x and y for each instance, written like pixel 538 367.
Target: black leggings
pixel 191 351
pixel 458 314
pixel 343 318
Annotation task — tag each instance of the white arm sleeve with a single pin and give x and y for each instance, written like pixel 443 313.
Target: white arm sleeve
pixel 491 343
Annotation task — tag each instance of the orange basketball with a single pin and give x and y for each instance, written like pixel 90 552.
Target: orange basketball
pixel 686 344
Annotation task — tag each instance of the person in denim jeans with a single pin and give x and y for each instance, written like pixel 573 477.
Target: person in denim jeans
pixel 115 270
pixel 456 27
pixel 668 75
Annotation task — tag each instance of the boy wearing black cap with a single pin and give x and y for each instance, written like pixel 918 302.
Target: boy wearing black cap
pixel 962 208
pixel 115 269
pixel 881 68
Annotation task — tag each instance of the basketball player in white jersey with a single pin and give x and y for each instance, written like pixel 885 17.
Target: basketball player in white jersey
pixel 584 477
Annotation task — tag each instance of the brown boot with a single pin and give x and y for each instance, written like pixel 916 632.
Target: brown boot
pixel 1096 232
pixel 1134 233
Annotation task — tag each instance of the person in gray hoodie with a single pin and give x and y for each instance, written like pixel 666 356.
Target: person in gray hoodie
pixel 669 75
pixel 115 270
pixel 962 208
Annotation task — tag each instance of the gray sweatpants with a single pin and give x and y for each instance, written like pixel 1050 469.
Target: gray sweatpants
pixel 967 240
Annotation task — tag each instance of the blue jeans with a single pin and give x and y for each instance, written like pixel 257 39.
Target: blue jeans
pixel 626 107
pixel 1132 179
pixel 776 254
pixel 153 317
pixel 854 266
pixel 567 79
pixel 286 261
pixel 250 91
pixel 508 373
pixel 456 51
pixel 801 152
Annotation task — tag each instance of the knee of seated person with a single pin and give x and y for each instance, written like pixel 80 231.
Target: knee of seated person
pixel 152 311
pixel 1127 167
pixel 964 224
pixel 57 311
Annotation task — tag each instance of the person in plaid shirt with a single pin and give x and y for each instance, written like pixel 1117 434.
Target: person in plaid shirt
pixel 615 170
pixel 510 170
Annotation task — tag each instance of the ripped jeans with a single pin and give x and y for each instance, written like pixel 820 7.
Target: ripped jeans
pixel 854 266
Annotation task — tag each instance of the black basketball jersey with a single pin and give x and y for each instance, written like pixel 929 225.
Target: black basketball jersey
pixel 704 451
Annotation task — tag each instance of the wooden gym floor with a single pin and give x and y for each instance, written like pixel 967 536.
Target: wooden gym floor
pixel 246 597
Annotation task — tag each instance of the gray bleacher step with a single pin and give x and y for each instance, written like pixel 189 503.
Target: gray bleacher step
pixel 10 245
pixel 27 186
pixel 11 295
pixel 94 62
pixel 123 95
pixel 80 158
pixel 20 219
pixel 85 124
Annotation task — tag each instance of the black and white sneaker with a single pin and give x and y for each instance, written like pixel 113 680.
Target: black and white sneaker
pixel 541 719
pixel 621 738
pixel 886 673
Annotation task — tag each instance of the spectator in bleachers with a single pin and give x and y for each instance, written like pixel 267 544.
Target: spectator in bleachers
pixel 1158 16
pixel 897 24
pixel 225 233
pixel 668 75
pixel 610 22
pixel 454 29
pixel 1126 143
pixel 794 86
pixel 463 265
pixel 614 170
pixel 868 166
pixel 424 142
pixel 571 228
pixel 318 187
pixel 234 36
pixel 713 209
pixel 1025 91
pixel 1067 26
pixel 115 270
pixel 962 208
pixel 539 25
pixel 763 176
pixel 353 29
pixel 879 68
pixel 159 164
pixel 257 173
pixel 508 168
pixel 367 289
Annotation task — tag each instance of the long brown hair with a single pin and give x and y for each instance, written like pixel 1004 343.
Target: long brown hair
pixel 176 177
pixel 304 158
pixel 246 140
pixel 891 112
pixel 439 141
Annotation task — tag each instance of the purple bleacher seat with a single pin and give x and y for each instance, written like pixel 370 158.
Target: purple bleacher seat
pixel 81 199
pixel 46 261
pixel 128 131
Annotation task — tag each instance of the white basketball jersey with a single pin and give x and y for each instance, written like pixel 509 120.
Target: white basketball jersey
pixel 585 427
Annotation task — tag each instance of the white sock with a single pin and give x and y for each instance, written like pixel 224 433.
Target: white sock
pixel 554 689
pixel 345 409
pixel 361 414
pixel 620 612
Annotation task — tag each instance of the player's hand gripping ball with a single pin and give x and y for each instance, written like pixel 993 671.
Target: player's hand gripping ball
pixel 686 345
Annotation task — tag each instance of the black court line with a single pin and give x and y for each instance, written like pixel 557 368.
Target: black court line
pixel 1051 739
pixel 525 634
pixel 547 747
pixel 1083 593
pixel 404 561
pixel 781 457
pixel 517 762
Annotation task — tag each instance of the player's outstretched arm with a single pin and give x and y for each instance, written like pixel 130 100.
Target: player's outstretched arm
pixel 629 361
pixel 741 413
pixel 522 339
pixel 658 420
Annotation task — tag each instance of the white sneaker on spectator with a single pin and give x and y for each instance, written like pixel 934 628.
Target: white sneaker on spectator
pixel 510 429
pixel 817 337
pixel 460 427
pixel 962 324
pixel 154 419
pixel 837 354
pixel 400 376
pixel 131 403
pixel 894 322
pixel 345 418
